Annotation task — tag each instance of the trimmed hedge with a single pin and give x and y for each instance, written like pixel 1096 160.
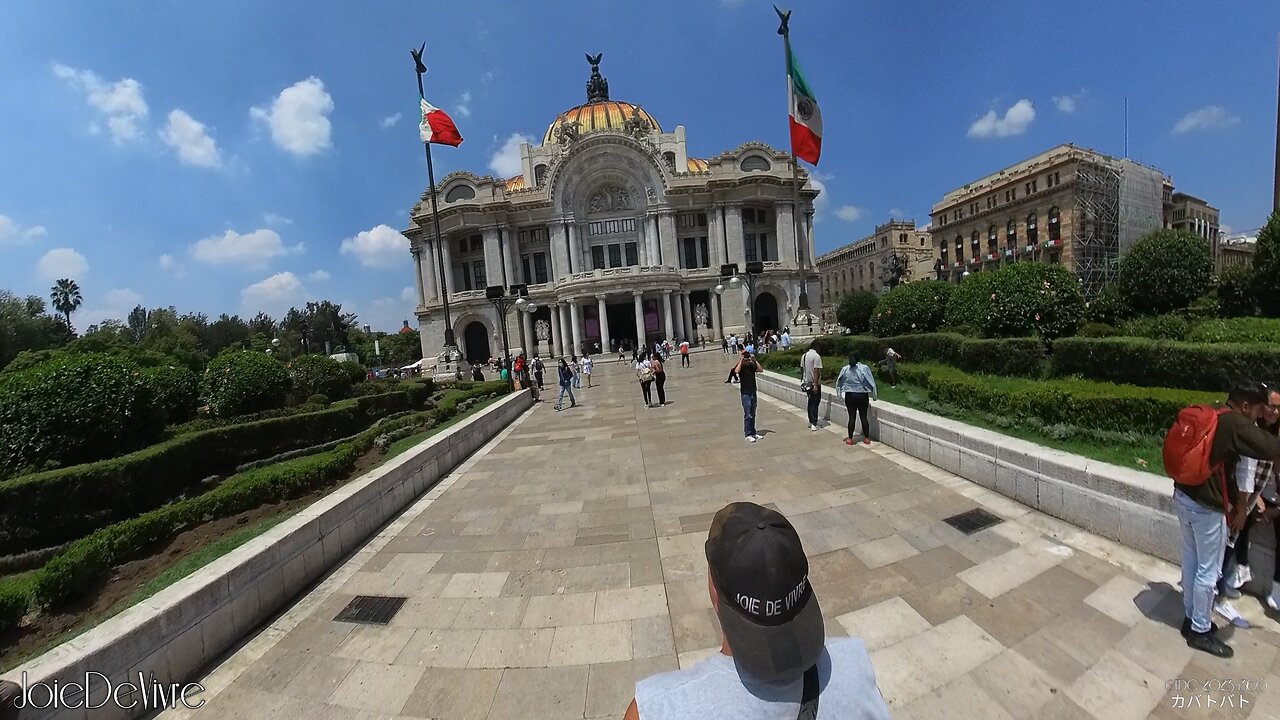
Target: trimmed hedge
pixel 239 382
pixel 912 307
pixel 49 508
pixel 176 389
pixel 1152 363
pixel 1019 300
pixel 1009 356
pixel 77 568
pixel 318 375
pixel 1236 330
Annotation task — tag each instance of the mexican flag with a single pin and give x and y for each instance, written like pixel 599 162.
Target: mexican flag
pixel 437 127
pixel 806 118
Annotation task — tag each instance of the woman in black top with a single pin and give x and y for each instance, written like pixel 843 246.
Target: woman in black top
pixel 660 378
pixel 477 373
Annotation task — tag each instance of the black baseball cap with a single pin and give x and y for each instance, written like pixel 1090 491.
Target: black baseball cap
pixel 767 609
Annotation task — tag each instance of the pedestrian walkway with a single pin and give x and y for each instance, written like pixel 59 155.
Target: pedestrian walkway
pixel 564 562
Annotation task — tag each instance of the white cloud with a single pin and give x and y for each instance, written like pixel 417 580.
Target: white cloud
pixel 62 263
pixel 170 265
pixel 123 297
pixel 379 247
pixel 12 232
pixel 116 305
pixel 1015 121
pixel 408 294
pixel 818 181
pixel 849 213
pixel 464 105
pixel 318 275
pixel 389 121
pixel 298 117
pixel 505 162
pixel 253 250
pixel 187 136
pixel 1206 118
pixel 275 219
pixel 274 295
pixel 1068 103
pixel 488 77
pixel 897 213
pixel 121 102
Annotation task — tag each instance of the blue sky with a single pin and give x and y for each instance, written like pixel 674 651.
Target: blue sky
pixel 220 156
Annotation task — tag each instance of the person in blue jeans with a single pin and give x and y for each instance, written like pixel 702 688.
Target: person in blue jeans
pixel 566 382
pixel 746 370
pixel 1208 511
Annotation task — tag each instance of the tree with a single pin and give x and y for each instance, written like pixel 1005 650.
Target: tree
pixel 1266 267
pixel 1237 292
pixel 137 323
pixel 262 324
pixel 25 326
pixel 1165 271
pixel 227 331
pixel 66 297
pixel 1020 300
pixel 854 311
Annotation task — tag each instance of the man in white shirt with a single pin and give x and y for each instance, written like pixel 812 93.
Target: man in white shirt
pixel 811 383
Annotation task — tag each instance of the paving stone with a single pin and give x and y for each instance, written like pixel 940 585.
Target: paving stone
pixel 534 694
pixel 449 693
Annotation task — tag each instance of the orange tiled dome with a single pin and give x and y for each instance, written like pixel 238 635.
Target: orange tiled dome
pixel 696 164
pixel 600 115
pixel 515 183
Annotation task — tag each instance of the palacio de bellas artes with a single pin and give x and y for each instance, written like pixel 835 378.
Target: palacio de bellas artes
pixel 619 235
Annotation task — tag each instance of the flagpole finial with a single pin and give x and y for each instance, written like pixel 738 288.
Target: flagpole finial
pixel 417 59
pixel 784 16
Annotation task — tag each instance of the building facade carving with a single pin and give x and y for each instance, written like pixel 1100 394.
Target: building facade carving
pixel 618 234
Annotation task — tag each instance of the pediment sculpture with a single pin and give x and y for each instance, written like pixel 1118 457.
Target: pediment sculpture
pixel 609 197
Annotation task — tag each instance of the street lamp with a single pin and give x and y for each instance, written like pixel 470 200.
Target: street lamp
pixel 729 273
pixel 503 298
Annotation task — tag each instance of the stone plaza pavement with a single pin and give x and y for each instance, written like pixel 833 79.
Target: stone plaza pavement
pixel 564 561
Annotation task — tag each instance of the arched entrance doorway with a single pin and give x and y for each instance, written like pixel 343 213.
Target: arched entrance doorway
pixel 475 341
pixel 764 313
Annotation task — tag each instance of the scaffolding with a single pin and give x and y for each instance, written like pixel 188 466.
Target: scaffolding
pixel 1096 236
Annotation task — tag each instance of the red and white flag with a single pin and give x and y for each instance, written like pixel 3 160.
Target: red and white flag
pixel 437 127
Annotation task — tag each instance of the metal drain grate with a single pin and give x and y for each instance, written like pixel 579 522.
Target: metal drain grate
pixel 371 609
pixel 972 521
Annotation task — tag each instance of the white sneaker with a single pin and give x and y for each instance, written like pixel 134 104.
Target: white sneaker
pixel 813 427
pixel 1273 600
pixel 1239 575
pixel 1229 613
pixel 751 438
pixel 758 437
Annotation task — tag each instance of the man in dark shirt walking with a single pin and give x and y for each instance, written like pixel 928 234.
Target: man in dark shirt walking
pixel 1208 511
pixel 746 370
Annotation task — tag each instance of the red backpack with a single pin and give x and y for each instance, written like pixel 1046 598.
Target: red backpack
pixel 1188 443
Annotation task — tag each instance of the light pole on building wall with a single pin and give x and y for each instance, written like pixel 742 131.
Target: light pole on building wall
pixel 503 298
pixel 729 274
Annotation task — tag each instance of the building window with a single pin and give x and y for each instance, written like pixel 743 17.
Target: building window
pixel 1011 235
pixel 991 239
pixel 611 227
pixel 1032 234
pixel 473 275
pixel 539 174
pixel 973 241
pixel 597 257
pixel 633 258
pixel 756 234
pixel 753 163
pixel 959 248
pixel 615 255
pixel 1055 227
pixel 460 192
pixel 921 241
pixel 538 267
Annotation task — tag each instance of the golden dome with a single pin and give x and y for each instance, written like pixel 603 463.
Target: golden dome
pixel 515 183
pixel 600 115
pixel 696 165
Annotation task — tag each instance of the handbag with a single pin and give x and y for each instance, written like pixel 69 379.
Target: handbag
pixel 645 375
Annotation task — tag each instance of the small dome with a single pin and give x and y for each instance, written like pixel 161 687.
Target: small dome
pixel 515 183
pixel 696 165
pixel 601 115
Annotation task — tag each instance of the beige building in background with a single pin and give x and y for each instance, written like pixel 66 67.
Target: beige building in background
pixel 1235 251
pixel 863 264
pixel 1068 205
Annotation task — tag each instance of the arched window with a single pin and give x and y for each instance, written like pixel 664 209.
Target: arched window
pixel 992 243
pixel 973 240
pixel 539 174
pixel 754 163
pixel 959 248
pixel 1011 234
pixel 1055 226
pixel 460 192
pixel 669 159
pixel 1032 233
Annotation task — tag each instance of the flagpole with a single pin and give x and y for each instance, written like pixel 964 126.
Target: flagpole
pixel 802 239
pixel 450 346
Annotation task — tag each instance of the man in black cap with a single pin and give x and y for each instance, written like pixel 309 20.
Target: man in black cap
pixel 774 662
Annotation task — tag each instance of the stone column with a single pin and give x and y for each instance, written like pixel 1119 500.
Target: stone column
pixel 559 256
pixel 416 251
pixel 606 339
pixel 557 337
pixel 714 310
pixel 654 241
pixel 690 327
pixel 789 250
pixel 429 270
pixel 509 255
pixel 733 235
pixel 715 238
pixel 639 302
pixel 575 249
pixel 451 281
pixel 666 312
pixel 677 316
pixel 492 256
pixel 667 233
pixel 575 321
pixel 530 342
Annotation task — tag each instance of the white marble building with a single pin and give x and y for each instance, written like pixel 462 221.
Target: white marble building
pixel 618 234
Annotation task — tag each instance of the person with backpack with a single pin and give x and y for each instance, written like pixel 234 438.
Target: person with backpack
pixel 566 380
pixel 537 371
pixel 1201 451
pixel 1259 479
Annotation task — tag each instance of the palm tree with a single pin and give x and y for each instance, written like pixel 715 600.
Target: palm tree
pixel 65 295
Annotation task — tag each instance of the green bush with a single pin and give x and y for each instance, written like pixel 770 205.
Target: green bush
pixel 917 307
pixel 74 409
pixel 1019 300
pixel 1159 327
pixel 1152 363
pixel 239 382
pixel 1164 271
pixel 1094 329
pixel 1236 330
pixel 318 374
pixel 318 399
pixel 854 311
pixel 49 508
pixel 176 390
pixel 1022 357
pixel 1008 356
pixel 31 358
pixel 355 372
pixel 15 598
pixel 1237 292
pixel 1266 267
pixel 74 570
pixel 1107 307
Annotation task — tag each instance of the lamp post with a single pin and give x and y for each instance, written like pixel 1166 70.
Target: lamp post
pixel 736 280
pixel 503 298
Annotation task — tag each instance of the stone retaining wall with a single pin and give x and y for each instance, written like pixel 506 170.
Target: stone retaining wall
pixel 186 627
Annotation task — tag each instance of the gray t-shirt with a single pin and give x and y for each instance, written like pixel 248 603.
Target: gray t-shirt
pixel 713 689
pixel 809 362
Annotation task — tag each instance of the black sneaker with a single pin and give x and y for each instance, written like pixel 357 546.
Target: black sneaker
pixel 1209 642
pixel 1186 627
